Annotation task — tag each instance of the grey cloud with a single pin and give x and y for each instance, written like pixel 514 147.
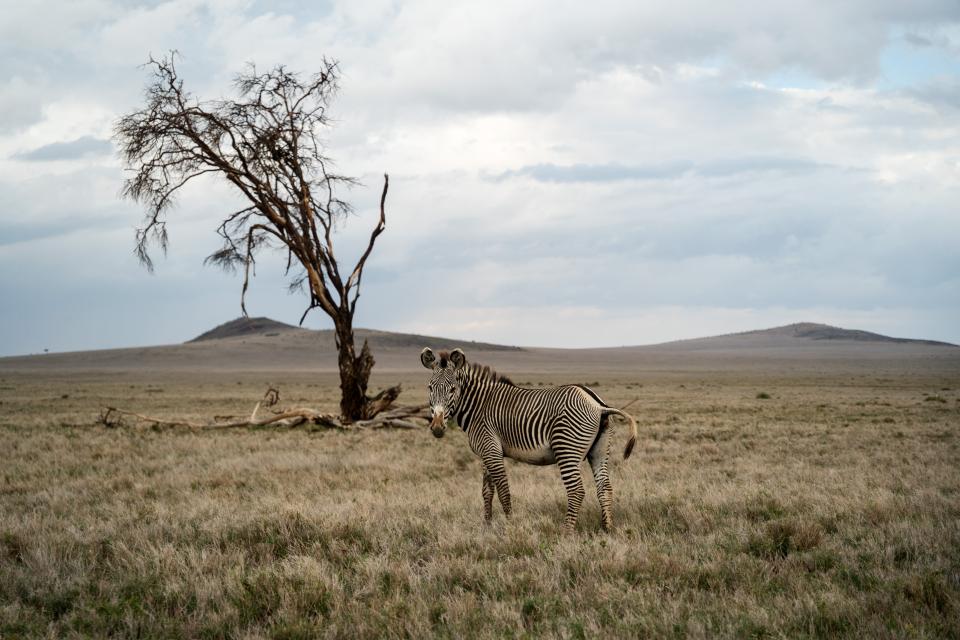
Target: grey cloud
pixel 20 104
pixel 734 166
pixel 793 239
pixel 917 40
pixel 13 231
pixel 776 222
pixel 530 56
pixel 941 94
pixel 73 150
pixel 617 172
pixel 596 172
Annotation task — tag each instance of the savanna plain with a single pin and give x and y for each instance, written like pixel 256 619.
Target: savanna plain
pixel 756 504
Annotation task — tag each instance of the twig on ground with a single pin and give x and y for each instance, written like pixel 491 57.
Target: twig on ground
pixel 395 418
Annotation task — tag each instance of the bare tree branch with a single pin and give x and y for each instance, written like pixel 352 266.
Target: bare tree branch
pixel 267 143
pixel 354 280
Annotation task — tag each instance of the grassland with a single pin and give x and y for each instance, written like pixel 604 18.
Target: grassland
pixel 754 506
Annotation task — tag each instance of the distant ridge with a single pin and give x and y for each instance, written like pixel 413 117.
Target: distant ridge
pixel 262 326
pixel 392 340
pixel 267 327
pixel 262 344
pixel 817 331
pixel 245 327
pixel 798 335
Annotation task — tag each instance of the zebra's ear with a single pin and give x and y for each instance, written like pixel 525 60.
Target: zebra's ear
pixel 427 357
pixel 458 358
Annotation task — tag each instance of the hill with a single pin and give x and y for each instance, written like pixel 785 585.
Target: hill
pixel 262 344
pixel 796 334
pixel 245 327
pixel 815 331
pixel 251 328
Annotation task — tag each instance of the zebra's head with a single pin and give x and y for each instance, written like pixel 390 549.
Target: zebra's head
pixel 444 389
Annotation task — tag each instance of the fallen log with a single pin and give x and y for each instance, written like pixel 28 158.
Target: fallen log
pixel 289 418
pixel 381 402
pixel 395 418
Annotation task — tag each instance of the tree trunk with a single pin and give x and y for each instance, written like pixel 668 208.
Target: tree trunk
pixel 354 373
pixel 354 376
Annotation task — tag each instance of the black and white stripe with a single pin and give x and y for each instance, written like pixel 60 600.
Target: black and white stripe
pixel 554 425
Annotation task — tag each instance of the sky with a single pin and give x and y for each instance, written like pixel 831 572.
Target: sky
pixel 562 173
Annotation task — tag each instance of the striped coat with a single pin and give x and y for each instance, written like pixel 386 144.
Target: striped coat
pixel 554 425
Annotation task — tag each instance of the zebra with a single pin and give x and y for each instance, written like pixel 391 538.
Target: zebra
pixel 552 425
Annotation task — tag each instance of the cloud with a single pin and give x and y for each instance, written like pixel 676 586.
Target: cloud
pixel 616 172
pixel 577 326
pixel 917 40
pixel 943 94
pixel 597 173
pixel 73 150
pixel 623 169
pixel 19 103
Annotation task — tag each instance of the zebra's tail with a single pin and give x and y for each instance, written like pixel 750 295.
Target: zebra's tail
pixel 627 450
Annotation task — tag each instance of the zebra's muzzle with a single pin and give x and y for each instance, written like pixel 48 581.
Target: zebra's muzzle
pixel 438 425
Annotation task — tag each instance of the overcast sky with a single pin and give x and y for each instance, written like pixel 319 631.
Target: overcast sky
pixel 562 173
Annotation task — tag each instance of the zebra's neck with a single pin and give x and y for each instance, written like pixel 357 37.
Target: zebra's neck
pixel 475 382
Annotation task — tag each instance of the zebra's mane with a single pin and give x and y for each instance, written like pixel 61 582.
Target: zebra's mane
pixel 486 372
pixel 481 370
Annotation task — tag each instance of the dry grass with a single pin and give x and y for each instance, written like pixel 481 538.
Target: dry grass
pixel 830 508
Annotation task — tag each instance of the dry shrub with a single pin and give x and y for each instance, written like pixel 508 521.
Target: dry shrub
pixel 780 538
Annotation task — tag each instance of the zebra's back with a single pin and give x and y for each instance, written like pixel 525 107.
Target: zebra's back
pixel 533 423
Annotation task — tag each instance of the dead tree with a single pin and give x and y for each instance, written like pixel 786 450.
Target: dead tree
pixel 266 143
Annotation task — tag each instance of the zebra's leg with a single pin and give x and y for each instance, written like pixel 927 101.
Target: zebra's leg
pixel 493 465
pixel 573 483
pixel 598 455
pixel 487 496
pixel 487 445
